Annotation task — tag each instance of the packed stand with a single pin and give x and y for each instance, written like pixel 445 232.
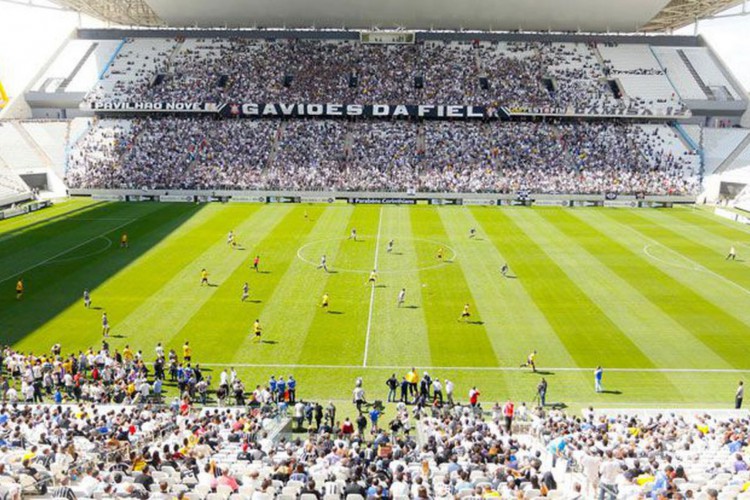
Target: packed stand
pixel 537 77
pixel 324 155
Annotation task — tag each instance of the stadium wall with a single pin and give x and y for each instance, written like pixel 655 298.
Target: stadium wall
pixel 486 199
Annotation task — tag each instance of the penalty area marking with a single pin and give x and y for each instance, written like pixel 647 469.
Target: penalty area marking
pixel 647 251
pixel 86 255
pixel 480 368
pixel 444 263
pixel 696 267
pixel 60 254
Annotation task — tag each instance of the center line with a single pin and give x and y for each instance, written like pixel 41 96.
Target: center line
pixel 372 290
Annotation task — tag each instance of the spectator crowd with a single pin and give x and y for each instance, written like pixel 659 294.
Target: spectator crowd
pixel 532 76
pixel 324 155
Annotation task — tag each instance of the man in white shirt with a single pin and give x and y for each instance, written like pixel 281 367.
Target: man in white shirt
pixel 609 470
pixel 449 391
pixel 590 462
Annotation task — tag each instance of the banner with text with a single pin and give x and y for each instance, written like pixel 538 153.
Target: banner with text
pixel 304 110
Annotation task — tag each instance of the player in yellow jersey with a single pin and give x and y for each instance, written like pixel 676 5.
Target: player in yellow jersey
pixel 257 330
pixel 324 302
pixel 187 351
pixel 373 277
pixel 19 289
pixel 440 253
pixel 530 361
pixel 465 315
pixel 204 277
pixel 124 240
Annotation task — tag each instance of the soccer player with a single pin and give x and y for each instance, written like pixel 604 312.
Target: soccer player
pixel 530 361
pixel 353 234
pixel 105 325
pixel 472 232
pixel 598 374
pixel 230 239
pixel 401 297
pixel 465 315
pixel 257 330
pixel 204 277
pixel 390 246
pixel 307 217
pixel 245 291
pixel 159 350
pixel 504 270
pixel 86 299
pixel 256 261
pixel 732 253
pixel 187 351
pixel 124 240
pixel 373 277
pixel 324 302
pixel 19 289
pixel 440 253
pixel 323 265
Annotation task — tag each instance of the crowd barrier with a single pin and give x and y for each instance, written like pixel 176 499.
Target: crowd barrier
pixel 368 198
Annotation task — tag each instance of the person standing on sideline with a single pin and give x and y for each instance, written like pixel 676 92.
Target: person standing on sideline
pixel 437 391
pixel 474 397
pixel 358 395
pixel 598 374
pixel 738 395
pixel 508 410
pixel 449 392
pixel 392 384
pixel 732 254
pixel 541 390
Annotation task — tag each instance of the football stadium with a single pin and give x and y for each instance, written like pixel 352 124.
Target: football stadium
pixel 343 250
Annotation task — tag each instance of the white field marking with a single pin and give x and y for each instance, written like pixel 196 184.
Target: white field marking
pixel 86 255
pixel 70 218
pixel 483 368
pixel 647 251
pixel 445 262
pixel 697 267
pixel 60 254
pixel 372 289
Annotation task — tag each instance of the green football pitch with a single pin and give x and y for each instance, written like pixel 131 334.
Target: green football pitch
pixel 646 293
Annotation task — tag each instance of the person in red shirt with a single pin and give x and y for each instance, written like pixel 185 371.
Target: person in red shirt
pixel 508 410
pixel 347 428
pixel 474 397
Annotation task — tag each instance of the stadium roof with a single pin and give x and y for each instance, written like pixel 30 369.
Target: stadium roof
pixel 499 15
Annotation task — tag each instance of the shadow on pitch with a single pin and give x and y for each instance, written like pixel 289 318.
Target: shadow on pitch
pixel 335 312
pixel 55 286
pixel 410 307
pixel 474 322
pixel 540 372
pixel 511 277
pixel 254 301
pixel 264 272
pixel 610 392
pixel 268 342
